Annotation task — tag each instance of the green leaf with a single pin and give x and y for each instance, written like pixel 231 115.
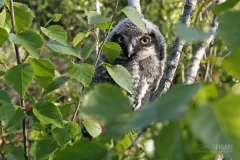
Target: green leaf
pixel 95 102
pixel 62 49
pixel 135 17
pixel 170 106
pixel 211 132
pixel 95 18
pixel 45 148
pixel 20 78
pixel 30 40
pixel 55 84
pixel 42 67
pixel 84 150
pixel 169 143
pixel 10 115
pixel 114 111
pixel 93 127
pixel 4 97
pixel 230 33
pixel 121 76
pixel 44 81
pixel 104 25
pixel 69 131
pixel 82 72
pixel 16 154
pixel 231 64
pixel 23 17
pixel 79 38
pixel 229 119
pixel 56 17
pixel 48 113
pixel 2 18
pixel 2 73
pixel 57 33
pixel 3 37
pixel 86 50
pixel 65 110
pixel 225 6
pixel 190 34
pixel 2 2
pixel 111 50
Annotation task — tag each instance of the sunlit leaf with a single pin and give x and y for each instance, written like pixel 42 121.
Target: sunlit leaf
pixel 2 18
pixel 23 17
pixel 135 17
pixel 48 113
pixel 93 127
pixel 42 67
pixel 30 40
pixel 121 76
pixel 57 33
pixel 56 17
pixel 82 72
pixel 62 49
pixel 3 37
pixel 20 78
pixel 111 50
pixel 79 38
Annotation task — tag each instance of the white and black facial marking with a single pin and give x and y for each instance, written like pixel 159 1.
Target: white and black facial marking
pixel 135 43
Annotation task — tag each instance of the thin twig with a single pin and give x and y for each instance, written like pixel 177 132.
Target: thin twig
pixel 76 110
pixel 136 140
pixel 24 124
pixel 109 29
pixel 199 12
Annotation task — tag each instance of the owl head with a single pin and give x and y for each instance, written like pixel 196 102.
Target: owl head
pixel 135 43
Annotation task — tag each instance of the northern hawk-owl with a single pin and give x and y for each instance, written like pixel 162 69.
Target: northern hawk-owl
pixel 143 54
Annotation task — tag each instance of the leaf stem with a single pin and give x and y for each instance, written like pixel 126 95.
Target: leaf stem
pixel 24 124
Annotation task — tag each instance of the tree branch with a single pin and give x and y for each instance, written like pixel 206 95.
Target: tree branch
pixel 178 44
pixel 97 5
pixel 135 4
pixel 197 57
pixel 24 124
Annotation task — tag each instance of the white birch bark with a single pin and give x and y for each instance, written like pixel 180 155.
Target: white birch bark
pixel 197 57
pixel 173 60
pixel 97 6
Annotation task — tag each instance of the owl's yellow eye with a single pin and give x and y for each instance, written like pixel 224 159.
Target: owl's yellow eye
pixel 145 40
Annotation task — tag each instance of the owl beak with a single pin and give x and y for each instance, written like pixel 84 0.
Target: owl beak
pixel 130 50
